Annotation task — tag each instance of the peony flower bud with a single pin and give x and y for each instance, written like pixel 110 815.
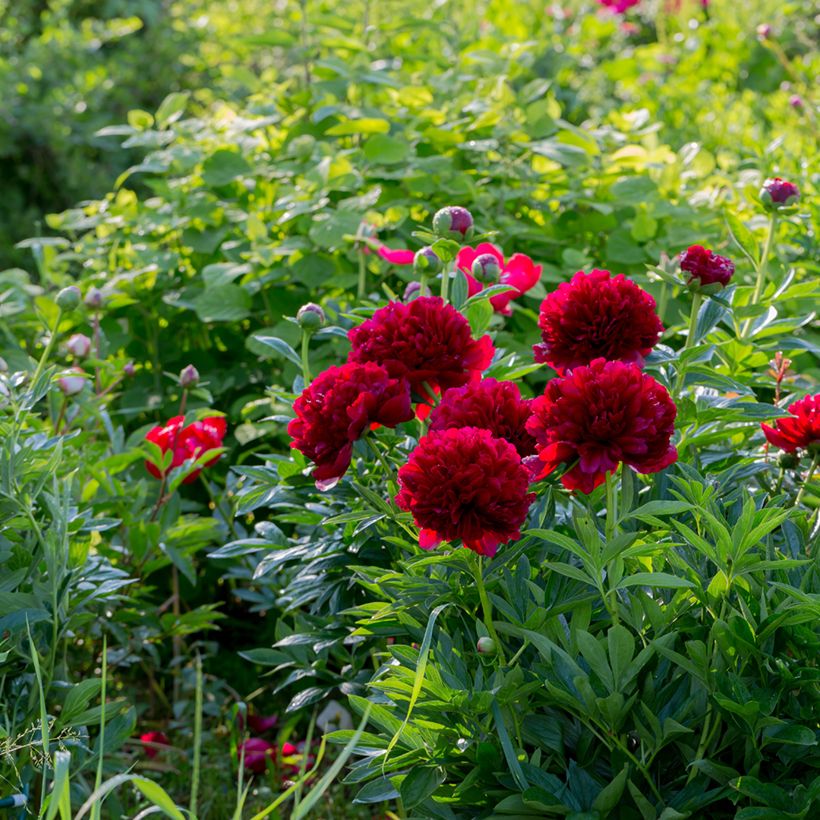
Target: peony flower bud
pixel 764 31
pixel 427 261
pixel 453 222
pixel 796 101
pixel 485 269
pixel 71 385
pixel 94 299
pixel 128 369
pixel 706 269
pixel 79 345
pixel 310 317
pixel 486 646
pixel 69 298
pixel 412 290
pixel 188 377
pixel 778 193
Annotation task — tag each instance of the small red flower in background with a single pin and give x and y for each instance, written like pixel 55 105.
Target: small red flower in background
pixel 257 754
pixel 619 6
pixel 779 193
pixel 519 271
pixel 262 723
pixel 337 407
pixel 150 740
pixel 706 266
pixel 599 416
pixel 399 256
pixel 187 442
pixel 491 405
pixel 425 341
pixel 596 315
pixel 801 431
pixel 465 484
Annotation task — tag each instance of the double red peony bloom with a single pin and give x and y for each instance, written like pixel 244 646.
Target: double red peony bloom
pixel 187 442
pixel 464 483
pixel 339 406
pixel 707 267
pixel 598 416
pixel 596 315
pixel 425 341
pixel 490 405
pixel 519 271
pixel 801 431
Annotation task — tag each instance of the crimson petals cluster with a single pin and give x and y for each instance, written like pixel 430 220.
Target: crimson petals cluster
pixel 707 267
pixel 490 405
pixel 599 416
pixel 187 442
pixel 426 341
pixel 463 483
pixel 801 430
pixel 596 315
pixel 337 407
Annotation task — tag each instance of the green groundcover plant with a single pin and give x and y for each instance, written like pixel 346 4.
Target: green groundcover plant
pixel 426 424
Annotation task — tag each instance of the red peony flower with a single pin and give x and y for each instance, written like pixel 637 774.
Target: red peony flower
pixel 399 256
pixel 619 6
pixel 519 271
pixel 707 267
pixel 801 431
pixel 187 442
pixel 596 314
pixel 338 407
pixel 257 754
pixel 262 723
pixel 779 193
pixel 464 483
pixel 150 741
pixel 424 341
pixel 490 405
pixel 599 416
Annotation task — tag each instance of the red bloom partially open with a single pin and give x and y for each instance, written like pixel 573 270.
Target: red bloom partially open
pixel 337 407
pixel 705 266
pixel 491 405
pixel 599 416
pixel 464 483
pixel 257 754
pixel 596 314
pixel 425 341
pixel 800 431
pixel 187 442
pixel 151 740
pixel 519 271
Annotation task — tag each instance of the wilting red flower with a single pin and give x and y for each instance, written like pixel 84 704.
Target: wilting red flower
pixel 337 407
pixel 257 754
pixel 619 6
pixel 490 405
pixel 801 430
pixel 465 483
pixel 599 416
pixel 707 267
pixel 779 193
pixel 399 256
pixel 150 740
pixel 187 442
pixel 519 272
pixel 596 314
pixel 424 341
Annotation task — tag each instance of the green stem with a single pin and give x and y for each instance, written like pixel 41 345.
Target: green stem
pixel 697 298
pixel 760 278
pixel 445 282
pixel 362 276
pixel 388 470
pixel 49 347
pixel 610 527
pixel 197 738
pixel 814 462
pixel 486 606
pixel 306 357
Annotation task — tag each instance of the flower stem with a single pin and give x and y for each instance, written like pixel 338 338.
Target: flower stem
pixel 445 282
pixel 362 276
pixel 486 606
pixel 760 278
pixel 697 298
pixel 812 469
pixel 306 357
pixel 49 347
pixel 610 527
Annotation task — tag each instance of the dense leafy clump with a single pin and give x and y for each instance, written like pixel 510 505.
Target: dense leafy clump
pixel 425 421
